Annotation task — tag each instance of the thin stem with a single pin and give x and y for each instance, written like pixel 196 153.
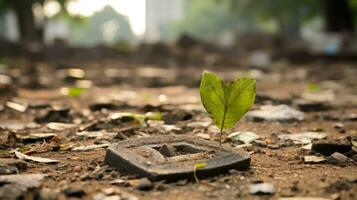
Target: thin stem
pixel 220 134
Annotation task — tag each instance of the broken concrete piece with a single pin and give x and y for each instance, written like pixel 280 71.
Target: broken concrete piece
pixel 314 159
pixel 142 156
pixel 245 137
pixel 15 186
pixel 337 158
pixel 280 113
pixel 261 188
pixel 303 138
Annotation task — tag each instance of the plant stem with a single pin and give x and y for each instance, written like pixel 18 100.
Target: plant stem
pixel 221 133
pixel 220 138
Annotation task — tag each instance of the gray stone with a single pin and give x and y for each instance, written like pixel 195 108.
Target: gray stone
pixel 15 186
pixel 327 148
pixel 145 184
pixel 11 166
pixel 337 158
pixel 261 189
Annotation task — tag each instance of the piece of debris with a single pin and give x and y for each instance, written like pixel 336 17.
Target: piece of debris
pixel 327 148
pixel 203 136
pixel 33 137
pixel 90 147
pixel 177 115
pixel 314 159
pixel 102 134
pixel 303 138
pixel 142 184
pixel 337 158
pixel 166 128
pixel 15 186
pixel 245 137
pixel 351 117
pixel 199 124
pixel 16 106
pixel 55 115
pixel 168 150
pixel 11 166
pixel 8 169
pixel 354 141
pixel 57 126
pixel 73 192
pixel 261 189
pixel 311 106
pixel 307 146
pixel 35 159
pixel 103 105
pixel 280 113
pixel 339 125
pixel 13 126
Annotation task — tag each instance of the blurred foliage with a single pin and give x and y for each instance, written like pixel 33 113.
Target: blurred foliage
pixel 205 19
pixel 287 14
pixel 105 26
pixel 210 18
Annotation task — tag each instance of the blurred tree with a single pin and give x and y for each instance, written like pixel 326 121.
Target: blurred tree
pixel 290 14
pixel 205 19
pixel 104 27
pixel 23 9
pixel 338 15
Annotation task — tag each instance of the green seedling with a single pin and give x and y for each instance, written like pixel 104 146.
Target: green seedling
pixel 313 87
pixel 75 91
pixel 226 102
pixel 72 91
pixel 198 166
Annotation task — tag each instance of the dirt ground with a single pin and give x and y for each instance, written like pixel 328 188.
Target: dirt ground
pixel 172 91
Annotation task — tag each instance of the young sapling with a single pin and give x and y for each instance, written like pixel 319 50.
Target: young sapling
pixel 226 102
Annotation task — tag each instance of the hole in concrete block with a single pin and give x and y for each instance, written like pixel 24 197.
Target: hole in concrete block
pixel 168 150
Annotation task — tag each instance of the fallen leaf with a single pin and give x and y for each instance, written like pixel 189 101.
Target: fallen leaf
pixel 314 159
pixel 203 136
pixel 37 136
pixel 35 159
pixel 90 147
pixel 16 106
pixel 57 126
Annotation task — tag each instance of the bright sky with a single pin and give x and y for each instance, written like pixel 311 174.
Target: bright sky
pixel 134 9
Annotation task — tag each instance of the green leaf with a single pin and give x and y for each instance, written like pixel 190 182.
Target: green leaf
pixel 226 103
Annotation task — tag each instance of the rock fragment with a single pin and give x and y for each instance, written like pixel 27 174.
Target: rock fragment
pixel 261 189
pixel 279 113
